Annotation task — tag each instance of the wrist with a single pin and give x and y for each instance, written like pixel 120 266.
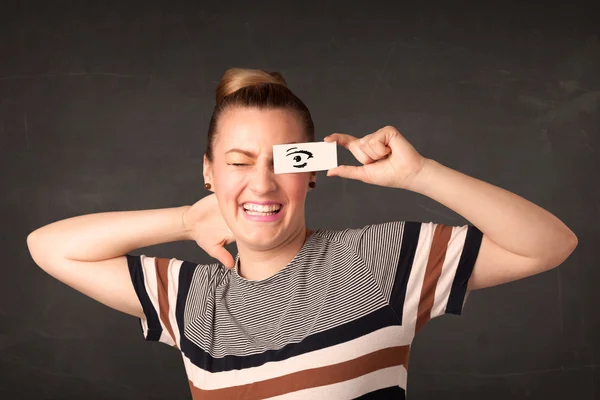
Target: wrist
pixel 184 228
pixel 421 179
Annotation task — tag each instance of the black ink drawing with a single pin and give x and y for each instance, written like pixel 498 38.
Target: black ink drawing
pixel 298 157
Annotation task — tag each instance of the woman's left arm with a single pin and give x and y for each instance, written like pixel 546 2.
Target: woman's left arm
pixel 520 239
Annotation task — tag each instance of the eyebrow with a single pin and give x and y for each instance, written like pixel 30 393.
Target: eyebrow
pixel 246 152
pixel 251 154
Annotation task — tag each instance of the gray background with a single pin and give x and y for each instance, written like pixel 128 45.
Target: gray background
pixel 105 107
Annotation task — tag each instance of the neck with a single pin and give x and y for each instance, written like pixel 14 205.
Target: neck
pixel 262 264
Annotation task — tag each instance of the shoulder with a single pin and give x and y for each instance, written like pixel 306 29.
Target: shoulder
pixel 363 239
pixel 175 270
pixel 354 236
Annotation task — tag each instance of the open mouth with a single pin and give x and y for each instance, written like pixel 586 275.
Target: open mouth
pixel 261 210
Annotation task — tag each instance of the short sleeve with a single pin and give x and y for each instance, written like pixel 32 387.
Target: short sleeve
pixel 162 286
pixel 423 269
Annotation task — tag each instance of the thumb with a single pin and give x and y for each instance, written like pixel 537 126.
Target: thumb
pixel 348 171
pixel 221 254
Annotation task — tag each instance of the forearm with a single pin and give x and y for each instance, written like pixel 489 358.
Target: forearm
pixel 509 220
pixel 100 236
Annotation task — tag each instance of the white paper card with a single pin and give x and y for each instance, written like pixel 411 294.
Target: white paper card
pixel 304 157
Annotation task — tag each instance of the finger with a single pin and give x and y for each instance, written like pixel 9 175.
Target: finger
pixel 221 254
pixel 352 144
pixel 350 172
pixel 359 153
pixel 342 139
pixel 377 147
pixel 393 138
pixel 362 152
pixel 376 144
pixel 365 146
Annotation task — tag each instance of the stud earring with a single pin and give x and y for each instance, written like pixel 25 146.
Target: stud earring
pixel 207 186
pixel 312 184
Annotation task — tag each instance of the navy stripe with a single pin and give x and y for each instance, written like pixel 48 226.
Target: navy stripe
pixel 372 322
pixel 464 270
pixel 136 272
pixel 410 239
pixel 393 392
pixel 186 272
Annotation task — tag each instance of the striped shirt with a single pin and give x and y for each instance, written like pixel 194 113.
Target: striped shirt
pixel 337 322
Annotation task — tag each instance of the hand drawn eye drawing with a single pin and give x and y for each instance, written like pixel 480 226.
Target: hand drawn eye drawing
pixel 297 158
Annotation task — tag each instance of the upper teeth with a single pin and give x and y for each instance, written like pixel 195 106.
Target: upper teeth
pixel 261 208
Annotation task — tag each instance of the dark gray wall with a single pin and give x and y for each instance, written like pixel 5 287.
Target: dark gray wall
pixel 105 107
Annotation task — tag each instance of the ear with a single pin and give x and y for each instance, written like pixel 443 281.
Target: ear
pixel 207 171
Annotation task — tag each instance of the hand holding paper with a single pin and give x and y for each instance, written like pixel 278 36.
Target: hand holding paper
pixel 388 158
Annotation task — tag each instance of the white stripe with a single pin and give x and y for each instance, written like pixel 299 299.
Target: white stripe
pixel 392 376
pixel 144 323
pixel 444 285
pixel 165 337
pixel 174 268
pixel 415 280
pixel 378 340
pixel 151 288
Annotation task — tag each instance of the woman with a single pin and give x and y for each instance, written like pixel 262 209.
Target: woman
pixel 299 313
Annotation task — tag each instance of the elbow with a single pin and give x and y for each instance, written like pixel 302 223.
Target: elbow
pixel 560 255
pixel 572 243
pixel 32 240
pixel 36 248
pixel 32 235
pixel 31 246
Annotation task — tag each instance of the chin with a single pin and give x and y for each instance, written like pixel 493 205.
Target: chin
pixel 261 242
pixel 264 237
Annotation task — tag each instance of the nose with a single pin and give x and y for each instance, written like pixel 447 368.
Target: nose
pixel 263 178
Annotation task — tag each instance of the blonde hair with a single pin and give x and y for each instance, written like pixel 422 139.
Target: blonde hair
pixel 243 87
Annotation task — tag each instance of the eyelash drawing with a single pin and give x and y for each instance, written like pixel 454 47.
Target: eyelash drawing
pixel 298 158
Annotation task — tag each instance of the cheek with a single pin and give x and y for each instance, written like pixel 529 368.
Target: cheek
pixel 229 186
pixel 295 187
pixel 228 179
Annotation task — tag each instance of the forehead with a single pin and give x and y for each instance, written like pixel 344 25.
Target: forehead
pixel 257 129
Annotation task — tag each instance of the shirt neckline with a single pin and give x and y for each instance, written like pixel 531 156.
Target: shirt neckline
pixel 296 260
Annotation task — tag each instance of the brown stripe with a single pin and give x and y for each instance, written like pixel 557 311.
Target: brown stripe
pixel 315 377
pixel 162 280
pixel 437 254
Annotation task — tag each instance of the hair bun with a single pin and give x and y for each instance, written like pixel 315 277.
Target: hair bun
pixel 236 78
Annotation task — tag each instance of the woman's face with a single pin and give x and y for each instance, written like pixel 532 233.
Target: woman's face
pixel 263 210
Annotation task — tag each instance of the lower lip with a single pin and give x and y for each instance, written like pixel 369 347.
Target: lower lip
pixel 263 218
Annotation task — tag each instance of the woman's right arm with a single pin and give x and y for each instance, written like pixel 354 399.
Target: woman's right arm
pixel 87 252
